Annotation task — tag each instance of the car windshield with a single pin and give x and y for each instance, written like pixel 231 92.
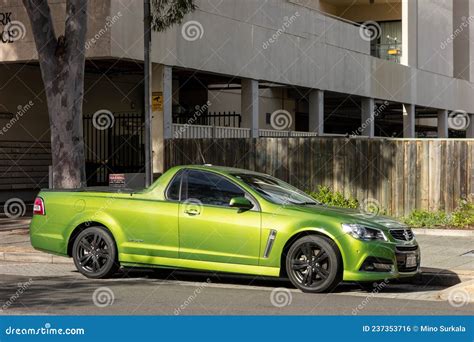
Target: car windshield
pixel 275 190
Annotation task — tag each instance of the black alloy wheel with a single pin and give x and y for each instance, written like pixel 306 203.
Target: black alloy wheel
pixel 314 264
pixel 95 254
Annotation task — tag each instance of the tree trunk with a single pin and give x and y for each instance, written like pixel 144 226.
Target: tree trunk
pixel 62 62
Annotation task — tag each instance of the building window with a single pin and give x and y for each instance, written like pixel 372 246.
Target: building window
pixel 387 44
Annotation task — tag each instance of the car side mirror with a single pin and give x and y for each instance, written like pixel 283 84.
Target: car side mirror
pixel 241 202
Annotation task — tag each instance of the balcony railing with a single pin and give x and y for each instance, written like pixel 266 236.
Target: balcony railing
pixel 390 52
pixel 183 131
pixel 269 133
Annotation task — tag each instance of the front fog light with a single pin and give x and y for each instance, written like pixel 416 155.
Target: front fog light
pixel 372 264
pixel 383 267
pixel 363 233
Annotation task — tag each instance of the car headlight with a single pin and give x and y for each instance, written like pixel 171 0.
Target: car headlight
pixel 363 233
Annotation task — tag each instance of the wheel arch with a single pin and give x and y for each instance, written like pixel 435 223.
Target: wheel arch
pixel 303 233
pixel 83 226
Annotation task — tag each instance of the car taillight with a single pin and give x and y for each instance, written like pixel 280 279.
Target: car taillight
pixel 38 207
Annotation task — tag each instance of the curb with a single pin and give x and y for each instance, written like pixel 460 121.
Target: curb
pixel 444 232
pixel 34 258
pixel 459 295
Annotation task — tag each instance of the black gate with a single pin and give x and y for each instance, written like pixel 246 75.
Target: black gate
pixel 114 143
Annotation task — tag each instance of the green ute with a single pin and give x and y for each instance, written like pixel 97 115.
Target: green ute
pixel 226 220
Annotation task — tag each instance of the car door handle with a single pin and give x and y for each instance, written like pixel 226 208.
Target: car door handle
pixel 192 212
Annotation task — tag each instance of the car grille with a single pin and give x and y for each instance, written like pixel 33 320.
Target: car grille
pixel 406 248
pixel 402 234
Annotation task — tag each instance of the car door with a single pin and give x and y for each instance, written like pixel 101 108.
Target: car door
pixel 211 230
pixel 150 227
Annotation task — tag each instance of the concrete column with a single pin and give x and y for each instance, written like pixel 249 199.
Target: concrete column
pixel 167 101
pixel 161 117
pixel 471 40
pixel 249 101
pixel 408 121
pixel 470 127
pixel 443 124
pixel 316 111
pixel 367 117
pixel 461 43
pixel 410 33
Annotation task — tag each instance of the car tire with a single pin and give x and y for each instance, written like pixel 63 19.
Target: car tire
pixel 314 272
pixel 95 254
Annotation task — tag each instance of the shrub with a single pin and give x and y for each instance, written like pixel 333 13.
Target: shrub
pixel 463 216
pixel 423 218
pixel 333 198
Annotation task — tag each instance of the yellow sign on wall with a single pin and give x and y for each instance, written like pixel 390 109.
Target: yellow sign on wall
pixel 157 101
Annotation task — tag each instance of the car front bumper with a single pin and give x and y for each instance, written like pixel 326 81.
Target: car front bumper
pixel 380 260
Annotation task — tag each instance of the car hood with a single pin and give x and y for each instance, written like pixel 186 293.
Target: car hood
pixel 349 216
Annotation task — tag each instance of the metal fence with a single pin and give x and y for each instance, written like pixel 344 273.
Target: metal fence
pixel 223 119
pixel 117 147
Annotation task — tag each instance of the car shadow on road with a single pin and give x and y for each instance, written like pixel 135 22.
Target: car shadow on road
pixel 41 295
pixel 417 284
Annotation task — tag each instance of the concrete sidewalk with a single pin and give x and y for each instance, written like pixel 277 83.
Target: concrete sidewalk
pixel 7 223
pixel 446 260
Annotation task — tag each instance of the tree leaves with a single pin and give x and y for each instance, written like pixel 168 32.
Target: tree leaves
pixel 166 13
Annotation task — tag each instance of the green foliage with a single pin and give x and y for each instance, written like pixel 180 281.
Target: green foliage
pixel 166 13
pixel 462 217
pixel 333 198
pixel 423 218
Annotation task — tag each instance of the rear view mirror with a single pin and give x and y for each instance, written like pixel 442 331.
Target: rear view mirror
pixel 240 202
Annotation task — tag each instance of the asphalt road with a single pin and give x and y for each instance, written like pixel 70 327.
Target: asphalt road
pixel 58 289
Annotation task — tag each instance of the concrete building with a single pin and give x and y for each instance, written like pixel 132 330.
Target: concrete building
pixel 246 68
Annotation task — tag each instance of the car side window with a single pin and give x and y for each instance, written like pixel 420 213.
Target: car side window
pixel 209 188
pixel 174 187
